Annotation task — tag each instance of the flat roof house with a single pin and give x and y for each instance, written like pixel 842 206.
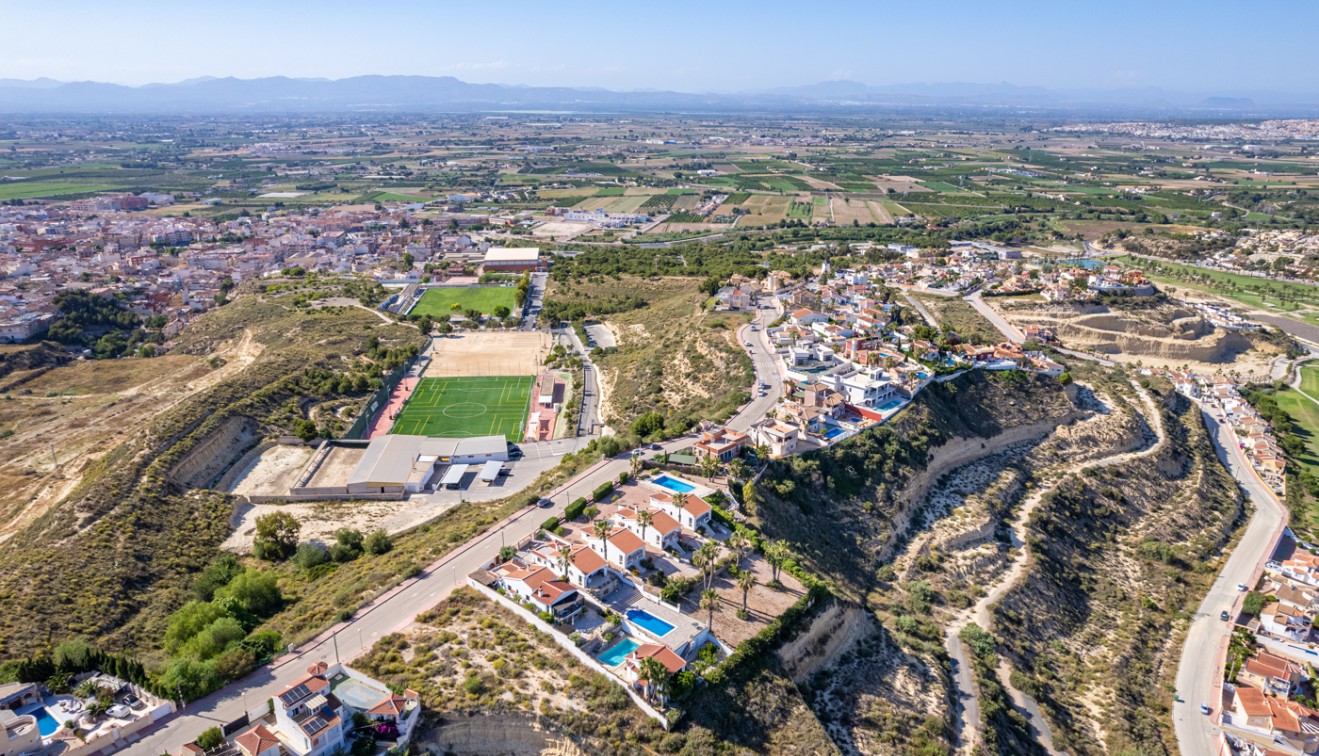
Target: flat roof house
pixel 511 260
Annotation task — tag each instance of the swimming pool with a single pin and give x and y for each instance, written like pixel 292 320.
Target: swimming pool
pixel 673 484
pixel 890 405
pixel 615 654
pixel 649 622
pixel 46 724
pixel 834 433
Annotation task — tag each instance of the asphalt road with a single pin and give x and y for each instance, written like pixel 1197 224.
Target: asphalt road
pixel 1007 329
pixel 390 613
pixel 1199 674
pixel 767 371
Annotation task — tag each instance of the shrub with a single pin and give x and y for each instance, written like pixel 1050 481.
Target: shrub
pixel 276 537
pixel 575 509
pixel 551 524
pixel 211 738
pixel 602 493
pixel 1253 603
pixel 254 590
pixel 341 553
pixel 623 477
pixel 379 543
pixel 591 512
pixel 310 555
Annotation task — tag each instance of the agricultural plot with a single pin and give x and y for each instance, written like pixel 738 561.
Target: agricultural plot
pixel 465 407
pixel 800 210
pixel 25 189
pixel 820 210
pixel 443 302
pixel 765 210
pixel 623 204
pixel 847 212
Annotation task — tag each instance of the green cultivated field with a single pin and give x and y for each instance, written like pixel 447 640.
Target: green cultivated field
pixel 1263 293
pixel 440 302
pixel 464 407
pixel 23 189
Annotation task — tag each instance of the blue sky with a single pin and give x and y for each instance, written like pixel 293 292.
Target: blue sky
pixel 1208 46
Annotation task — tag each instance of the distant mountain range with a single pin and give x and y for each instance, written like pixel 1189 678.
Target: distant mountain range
pixel 421 94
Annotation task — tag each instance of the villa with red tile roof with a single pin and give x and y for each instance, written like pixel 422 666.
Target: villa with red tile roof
pixel 662 532
pixel 720 443
pixel 690 510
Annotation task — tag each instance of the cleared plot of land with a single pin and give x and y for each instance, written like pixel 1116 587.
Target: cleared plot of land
pixel 898 183
pixel 820 183
pixel 336 466
pixel 765 210
pixel 625 204
pixel 273 472
pixel 462 407
pixel 847 211
pixel 443 302
pixel 820 210
pixel 880 213
pixel 488 353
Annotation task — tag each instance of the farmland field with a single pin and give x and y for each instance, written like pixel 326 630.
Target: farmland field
pixel 439 302
pixel 464 407
pixel 765 210
pixel 25 189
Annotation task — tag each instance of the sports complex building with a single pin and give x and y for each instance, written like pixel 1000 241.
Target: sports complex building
pixel 393 466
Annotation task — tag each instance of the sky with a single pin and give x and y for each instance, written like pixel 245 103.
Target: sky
pixel 1208 46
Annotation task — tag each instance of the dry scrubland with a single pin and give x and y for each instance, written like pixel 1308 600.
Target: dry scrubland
pixel 673 356
pixel 108 562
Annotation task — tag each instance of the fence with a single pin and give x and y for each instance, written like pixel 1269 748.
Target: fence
pixel 381 397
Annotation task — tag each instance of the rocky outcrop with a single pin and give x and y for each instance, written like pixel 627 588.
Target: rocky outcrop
pixel 203 465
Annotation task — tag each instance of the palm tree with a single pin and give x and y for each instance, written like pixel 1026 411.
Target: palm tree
pixel 601 530
pixel 565 551
pixel 762 453
pixel 746 580
pixel 738 543
pixel 738 470
pixel 655 675
pixel 710 466
pixel 709 554
pixel 644 518
pixel 776 553
pixel 710 602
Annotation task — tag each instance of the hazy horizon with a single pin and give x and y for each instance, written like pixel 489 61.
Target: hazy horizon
pixel 1210 47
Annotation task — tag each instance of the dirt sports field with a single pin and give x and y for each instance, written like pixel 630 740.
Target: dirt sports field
pixel 493 353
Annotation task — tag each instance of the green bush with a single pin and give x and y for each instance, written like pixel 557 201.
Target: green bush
pixel 551 524
pixel 575 509
pixel 602 492
pixel 310 555
pixel 210 738
pixel 379 543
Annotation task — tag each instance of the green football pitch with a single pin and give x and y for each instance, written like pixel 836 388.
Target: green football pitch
pixel 463 407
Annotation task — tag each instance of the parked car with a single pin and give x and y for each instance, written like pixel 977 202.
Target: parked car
pixel 1223 615
pixel 637 452
pixel 747 344
pixel 656 447
pixel 133 702
pixel 119 711
pixel 545 503
pixel 1241 586
pixel 1204 709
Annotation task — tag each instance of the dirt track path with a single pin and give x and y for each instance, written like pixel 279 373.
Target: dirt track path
pixel 968 715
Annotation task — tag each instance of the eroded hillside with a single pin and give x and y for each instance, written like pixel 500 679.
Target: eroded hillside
pixel 114 556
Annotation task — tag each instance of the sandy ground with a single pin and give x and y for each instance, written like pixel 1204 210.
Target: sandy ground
pixel 335 469
pixel 560 230
pixel 320 519
pixel 272 473
pixel 857 210
pixel 897 183
pixel 603 336
pixel 56 438
pixel 488 353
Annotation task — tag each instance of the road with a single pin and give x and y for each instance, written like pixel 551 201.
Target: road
pixel 914 302
pixel 390 613
pixel 767 371
pixel 1199 673
pixel 1004 327
pixel 589 420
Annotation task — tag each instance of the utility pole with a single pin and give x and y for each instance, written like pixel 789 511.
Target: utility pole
pixel 335 638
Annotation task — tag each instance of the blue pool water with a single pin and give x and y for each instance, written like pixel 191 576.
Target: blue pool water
pixel 673 484
pixel 649 622
pixel 834 433
pixel 1088 263
pixel 891 404
pixel 46 724
pixel 615 654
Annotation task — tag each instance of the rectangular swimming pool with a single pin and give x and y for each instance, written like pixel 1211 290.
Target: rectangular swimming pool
pixel 834 433
pixel 673 484
pixel 46 724
pixel 649 622
pixel 615 654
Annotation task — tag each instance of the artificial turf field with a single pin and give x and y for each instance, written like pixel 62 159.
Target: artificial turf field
pixel 439 302
pixel 462 407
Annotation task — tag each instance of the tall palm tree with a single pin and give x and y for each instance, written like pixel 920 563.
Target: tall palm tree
pixel 644 518
pixel 746 580
pixel 655 675
pixel 738 543
pixel 709 553
pixel 710 466
pixel 776 553
pixel 710 602
pixel 565 552
pixel 601 530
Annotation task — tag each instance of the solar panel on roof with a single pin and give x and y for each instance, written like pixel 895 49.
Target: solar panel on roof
pixel 295 694
pixel 313 725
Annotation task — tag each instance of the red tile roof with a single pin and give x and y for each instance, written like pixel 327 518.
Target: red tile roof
pixel 661 653
pixel 256 740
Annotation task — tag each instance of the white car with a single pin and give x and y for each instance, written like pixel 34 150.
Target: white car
pixel 119 711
